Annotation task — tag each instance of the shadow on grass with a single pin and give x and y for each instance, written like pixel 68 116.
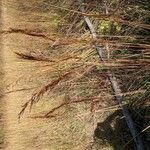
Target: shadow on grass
pixel 114 131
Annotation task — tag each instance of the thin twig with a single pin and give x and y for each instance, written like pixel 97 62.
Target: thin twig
pixel 115 86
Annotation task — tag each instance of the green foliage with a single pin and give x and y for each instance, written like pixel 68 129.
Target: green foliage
pixel 105 27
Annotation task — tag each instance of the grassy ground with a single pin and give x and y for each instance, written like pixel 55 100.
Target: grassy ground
pixel 74 126
pixel 67 132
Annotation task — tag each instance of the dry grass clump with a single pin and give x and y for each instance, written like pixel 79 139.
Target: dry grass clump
pixel 69 74
pixel 75 86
